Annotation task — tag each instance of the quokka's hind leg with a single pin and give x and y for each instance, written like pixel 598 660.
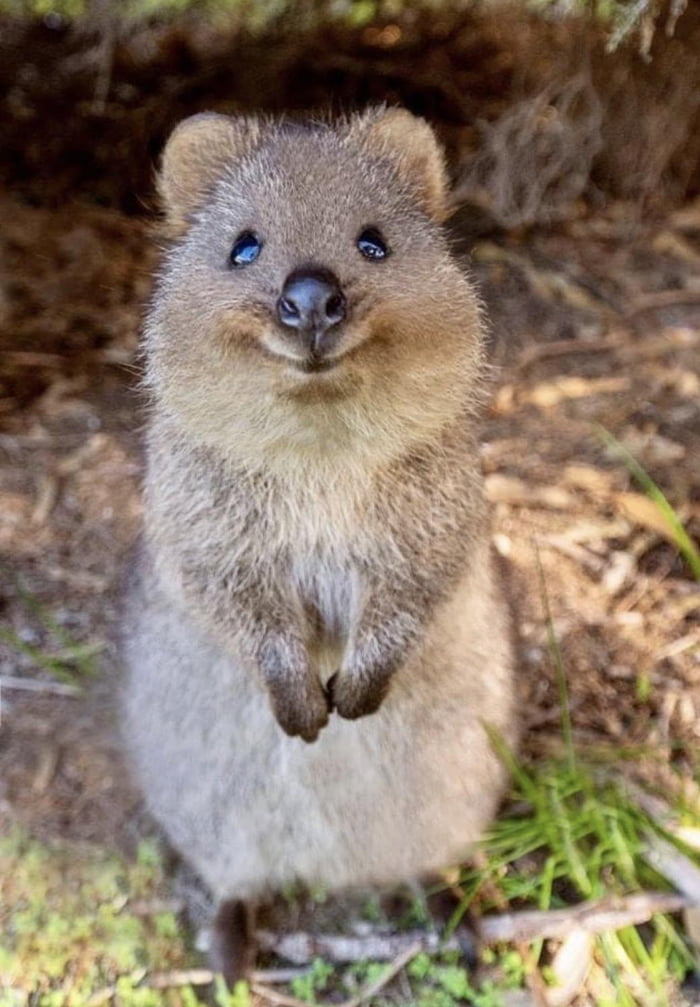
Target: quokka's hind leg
pixel 233 941
pixel 441 906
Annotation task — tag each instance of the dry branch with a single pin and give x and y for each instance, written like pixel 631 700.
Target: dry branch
pixel 668 860
pixel 176 978
pixel 367 993
pixel 15 682
pixel 592 917
pixel 303 948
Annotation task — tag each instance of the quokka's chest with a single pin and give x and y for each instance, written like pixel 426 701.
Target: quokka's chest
pixel 318 538
pixel 329 591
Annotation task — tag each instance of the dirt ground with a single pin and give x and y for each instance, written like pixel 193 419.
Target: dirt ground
pixel 593 323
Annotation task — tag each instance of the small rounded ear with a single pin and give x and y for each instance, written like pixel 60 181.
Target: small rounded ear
pixel 411 143
pixel 197 152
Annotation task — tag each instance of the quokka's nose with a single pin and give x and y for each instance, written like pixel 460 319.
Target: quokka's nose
pixel 312 303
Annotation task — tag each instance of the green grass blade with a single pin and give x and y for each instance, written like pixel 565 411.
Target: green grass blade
pixel 685 545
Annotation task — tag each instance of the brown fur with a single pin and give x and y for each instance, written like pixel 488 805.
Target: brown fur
pixel 318 560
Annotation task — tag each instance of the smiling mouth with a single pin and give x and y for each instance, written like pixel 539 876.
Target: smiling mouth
pixel 314 365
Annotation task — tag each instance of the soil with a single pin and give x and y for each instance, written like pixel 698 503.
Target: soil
pixel 594 322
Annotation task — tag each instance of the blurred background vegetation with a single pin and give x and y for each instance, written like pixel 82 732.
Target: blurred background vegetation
pixel 540 105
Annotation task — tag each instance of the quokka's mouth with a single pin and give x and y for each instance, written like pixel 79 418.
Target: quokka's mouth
pixel 315 365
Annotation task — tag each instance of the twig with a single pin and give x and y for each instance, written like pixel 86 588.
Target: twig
pixel 158 981
pixel 399 963
pixel 274 977
pixel 592 917
pixel 662 299
pixel 367 993
pixel 668 860
pixel 179 977
pixel 31 358
pixel 528 925
pixel 283 999
pixel 302 948
pixel 588 917
pixel 36 685
pixel 194 977
pixel 565 347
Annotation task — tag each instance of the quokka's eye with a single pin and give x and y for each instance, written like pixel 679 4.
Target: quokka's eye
pixel 246 249
pixel 372 245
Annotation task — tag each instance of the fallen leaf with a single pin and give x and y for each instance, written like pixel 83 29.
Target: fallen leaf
pixel 550 393
pixel 570 967
pixel 669 243
pixel 621 567
pixel 652 448
pixel 642 511
pixel 514 491
pixel 595 534
pixel 563 544
pixel 504 400
pixel 587 477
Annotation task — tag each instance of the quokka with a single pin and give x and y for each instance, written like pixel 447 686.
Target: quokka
pixel 316 638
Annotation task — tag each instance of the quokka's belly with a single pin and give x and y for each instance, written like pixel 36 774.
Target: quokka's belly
pixel 383 798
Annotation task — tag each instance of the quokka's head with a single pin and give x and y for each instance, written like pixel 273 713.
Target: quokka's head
pixel 308 266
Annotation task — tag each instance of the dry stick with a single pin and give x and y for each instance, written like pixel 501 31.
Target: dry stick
pixel 283 999
pixel 366 994
pixel 529 925
pixel 203 977
pixel 399 963
pixel 179 977
pixel 36 685
pixel 30 358
pixel 564 347
pixel 674 866
pixel 662 299
pixel 646 586
pixel 302 948
pixel 275 977
pixel 594 917
pixel 192 977
pixel 158 981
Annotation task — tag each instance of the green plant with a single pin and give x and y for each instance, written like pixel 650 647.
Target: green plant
pixel 69 929
pixel 314 981
pixel 67 660
pixel 685 545
pixel 576 833
pixel 239 996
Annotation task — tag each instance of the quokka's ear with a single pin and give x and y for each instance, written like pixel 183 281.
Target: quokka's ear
pixel 412 145
pixel 196 155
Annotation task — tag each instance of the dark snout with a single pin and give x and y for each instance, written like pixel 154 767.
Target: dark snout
pixel 312 304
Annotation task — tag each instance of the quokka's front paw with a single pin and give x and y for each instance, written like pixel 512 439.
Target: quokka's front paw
pixel 301 708
pixel 357 693
pixel 298 699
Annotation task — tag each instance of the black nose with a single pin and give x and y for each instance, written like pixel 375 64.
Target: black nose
pixel 312 303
